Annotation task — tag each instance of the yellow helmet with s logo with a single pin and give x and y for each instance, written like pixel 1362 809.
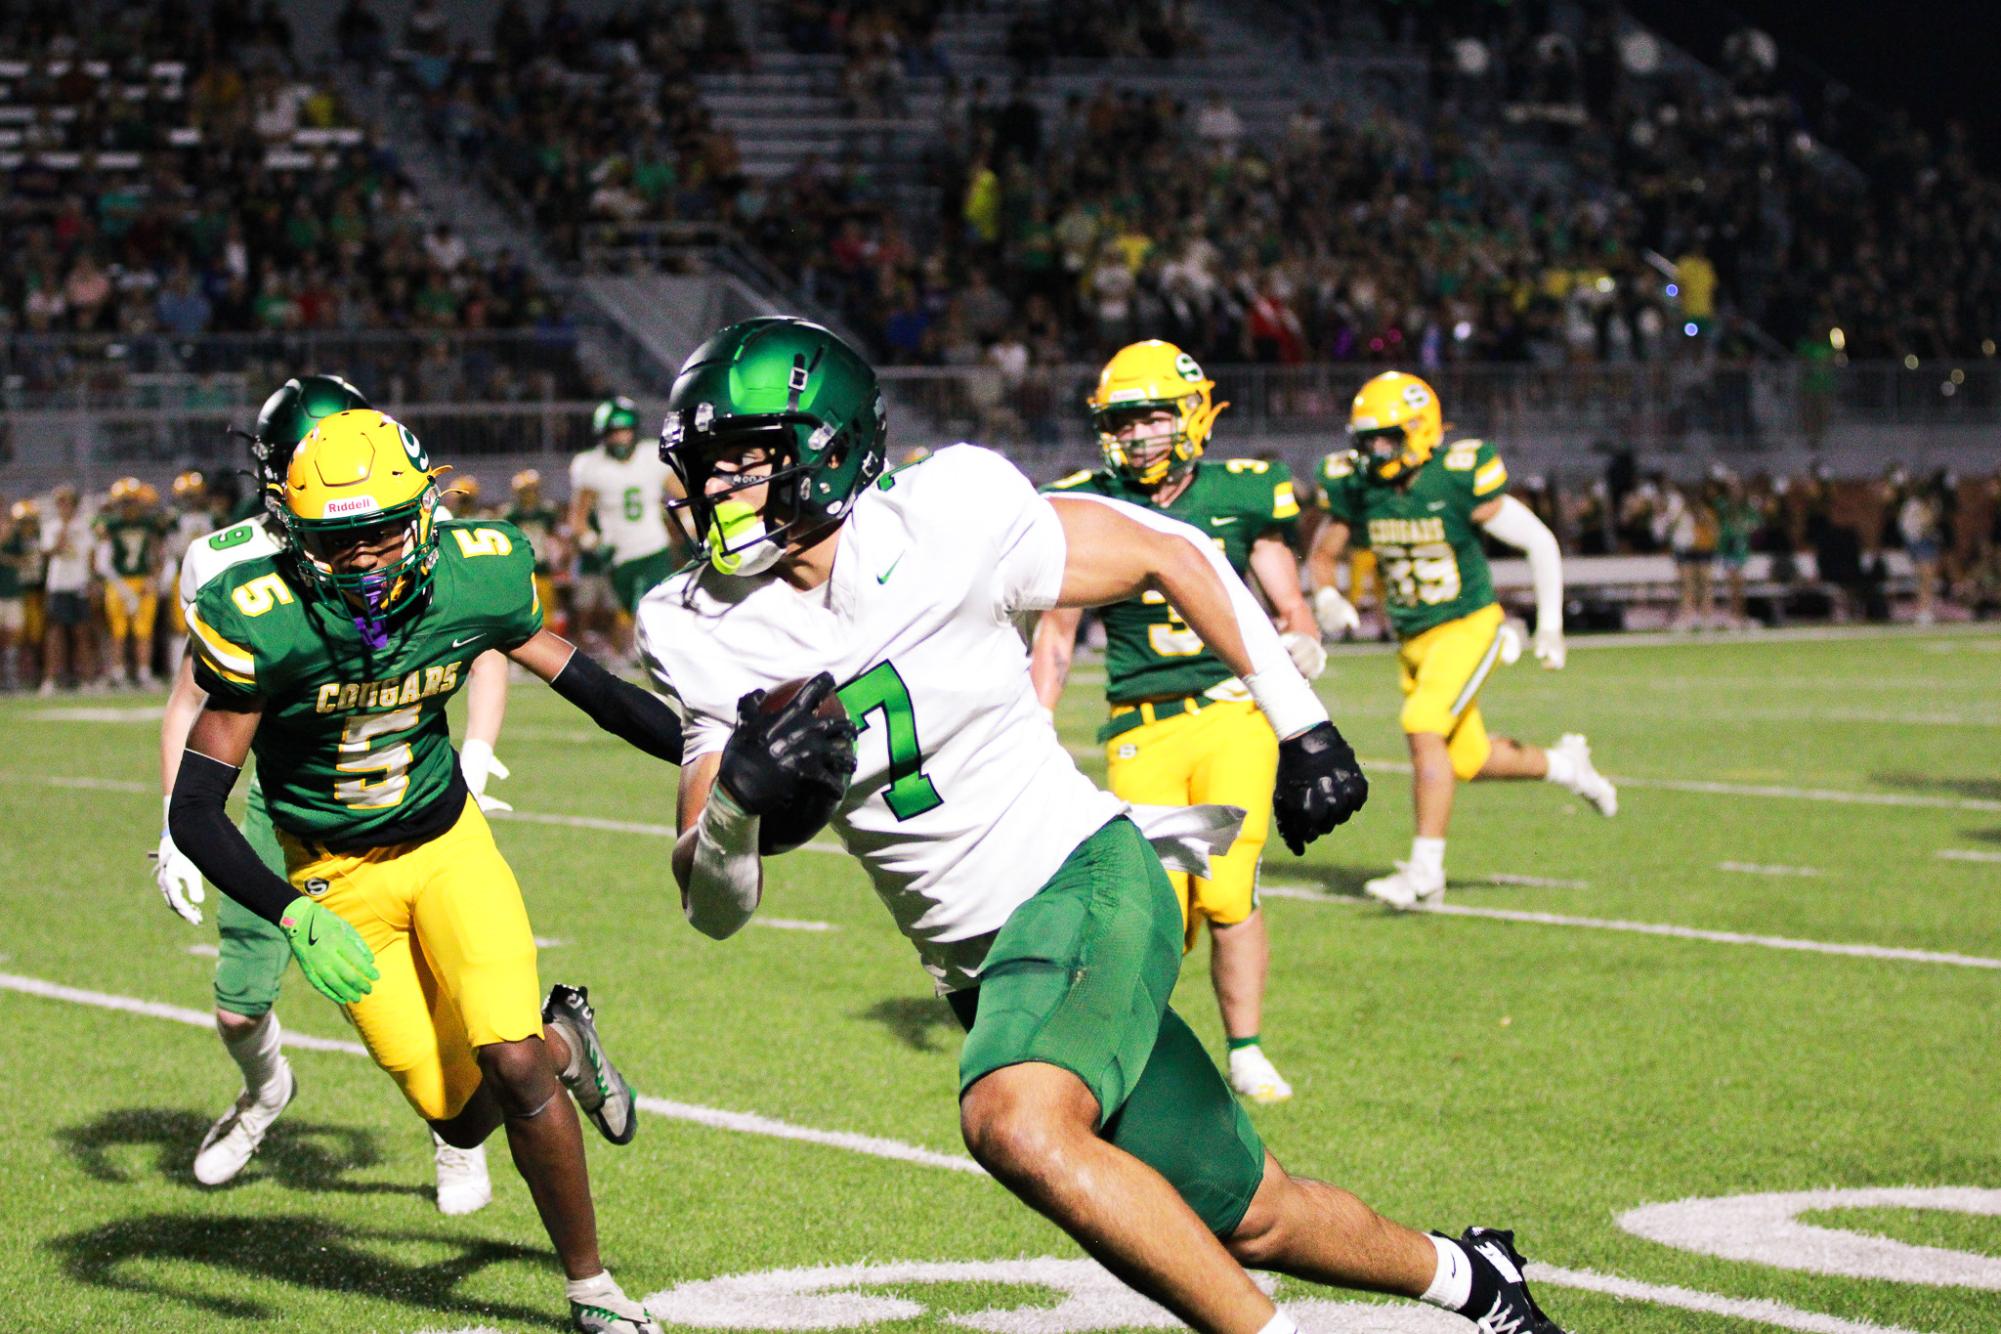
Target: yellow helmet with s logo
pixel 1395 423
pixel 1148 377
pixel 358 473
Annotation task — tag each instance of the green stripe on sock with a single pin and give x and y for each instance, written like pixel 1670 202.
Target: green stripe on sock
pixel 1238 1044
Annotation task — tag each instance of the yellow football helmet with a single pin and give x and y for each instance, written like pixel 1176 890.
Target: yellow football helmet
pixel 1395 423
pixel 26 511
pixel 527 482
pixel 124 490
pixel 1146 377
pixel 190 486
pixel 148 495
pixel 360 470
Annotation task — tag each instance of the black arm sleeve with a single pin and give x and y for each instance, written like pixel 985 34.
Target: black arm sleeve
pixel 200 824
pixel 619 707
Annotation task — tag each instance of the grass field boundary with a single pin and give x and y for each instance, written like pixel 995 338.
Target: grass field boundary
pixel 717 1118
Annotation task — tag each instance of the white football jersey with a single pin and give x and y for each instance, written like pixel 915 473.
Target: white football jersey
pixel 631 522
pixel 964 802
pixel 211 554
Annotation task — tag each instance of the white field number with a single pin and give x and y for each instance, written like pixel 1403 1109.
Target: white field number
pixel 392 762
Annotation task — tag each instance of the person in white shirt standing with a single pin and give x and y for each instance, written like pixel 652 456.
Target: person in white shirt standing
pixel 617 509
pixel 67 546
pixel 1033 898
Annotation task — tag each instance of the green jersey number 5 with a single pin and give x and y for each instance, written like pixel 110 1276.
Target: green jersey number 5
pixel 910 793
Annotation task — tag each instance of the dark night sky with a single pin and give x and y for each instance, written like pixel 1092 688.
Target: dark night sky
pixel 1926 56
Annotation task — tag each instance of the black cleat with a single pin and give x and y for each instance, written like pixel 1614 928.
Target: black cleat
pixel 1514 1309
pixel 600 1090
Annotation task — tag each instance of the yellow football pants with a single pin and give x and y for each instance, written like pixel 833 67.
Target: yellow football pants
pixel 124 623
pixel 1441 671
pixel 1227 753
pixel 452 942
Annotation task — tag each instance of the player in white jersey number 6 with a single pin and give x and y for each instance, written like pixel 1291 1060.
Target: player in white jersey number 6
pixel 1036 903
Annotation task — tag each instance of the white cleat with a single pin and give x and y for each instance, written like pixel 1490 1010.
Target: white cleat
pixel 1589 784
pixel 463 1185
pixel 610 1311
pixel 1405 888
pixel 232 1141
pixel 1254 1076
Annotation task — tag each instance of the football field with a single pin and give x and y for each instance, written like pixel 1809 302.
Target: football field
pixel 1730 1061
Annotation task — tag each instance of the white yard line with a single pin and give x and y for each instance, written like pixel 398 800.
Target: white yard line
pixel 747 1123
pixel 1888 952
pixel 792 924
pixel 1967 855
pixel 1534 881
pixel 1761 1310
pixel 1893 953
pixel 1833 796
pixel 203 951
pixel 1760 868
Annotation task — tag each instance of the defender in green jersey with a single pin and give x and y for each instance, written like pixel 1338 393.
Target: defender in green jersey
pixel 1422 511
pixel 334 659
pixel 1182 728
pixel 251 953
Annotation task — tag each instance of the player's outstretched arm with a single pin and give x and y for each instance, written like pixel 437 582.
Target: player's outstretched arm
pixel 619 707
pixel 1277 572
pixel 1050 653
pixel 1115 551
pixel 1512 522
pixel 175 875
pixel 1335 613
pixel 330 952
pixel 773 760
pixel 486 707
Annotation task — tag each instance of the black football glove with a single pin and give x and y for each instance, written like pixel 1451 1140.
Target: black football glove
pixel 1320 785
pixel 773 760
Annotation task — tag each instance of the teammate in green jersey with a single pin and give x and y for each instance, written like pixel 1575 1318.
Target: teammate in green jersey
pixel 335 659
pixel 252 955
pixel 1422 512
pixel 542 526
pixel 1183 729
pixel 131 541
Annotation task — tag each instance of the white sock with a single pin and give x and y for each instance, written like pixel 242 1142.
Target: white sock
pixel 1452 1286
pixel 600 1284
pixel 1280 1323
pixel 1427 857
pixel 1562 768
pixel 256 1053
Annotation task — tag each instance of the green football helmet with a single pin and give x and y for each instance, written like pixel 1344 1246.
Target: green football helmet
pixel 290 415
pixel 617 413
pixel 795 389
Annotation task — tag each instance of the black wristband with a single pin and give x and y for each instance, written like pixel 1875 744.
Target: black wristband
pixel 198 819
pixel 620 707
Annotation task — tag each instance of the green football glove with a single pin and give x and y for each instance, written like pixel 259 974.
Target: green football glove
pixel 330 952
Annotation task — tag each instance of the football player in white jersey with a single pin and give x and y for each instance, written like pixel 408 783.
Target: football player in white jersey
pixel 1030 895
pixel 252 954
pixel 618 518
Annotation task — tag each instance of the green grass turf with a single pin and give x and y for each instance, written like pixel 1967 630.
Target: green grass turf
pixel 1450 1070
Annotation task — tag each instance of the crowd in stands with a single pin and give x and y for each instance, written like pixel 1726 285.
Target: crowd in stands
pixel 582 122
pixel 178 171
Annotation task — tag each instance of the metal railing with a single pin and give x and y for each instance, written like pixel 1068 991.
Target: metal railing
pixel 88 372
pixel 1654 409
pixel 1658 405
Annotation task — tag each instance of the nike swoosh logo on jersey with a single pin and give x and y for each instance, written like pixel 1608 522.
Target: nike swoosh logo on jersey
pixel 1226 520
pixel 1436 505
pixel 461 643
pixel 883 578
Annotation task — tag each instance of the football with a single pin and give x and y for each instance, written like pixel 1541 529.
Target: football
pixel 810 812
